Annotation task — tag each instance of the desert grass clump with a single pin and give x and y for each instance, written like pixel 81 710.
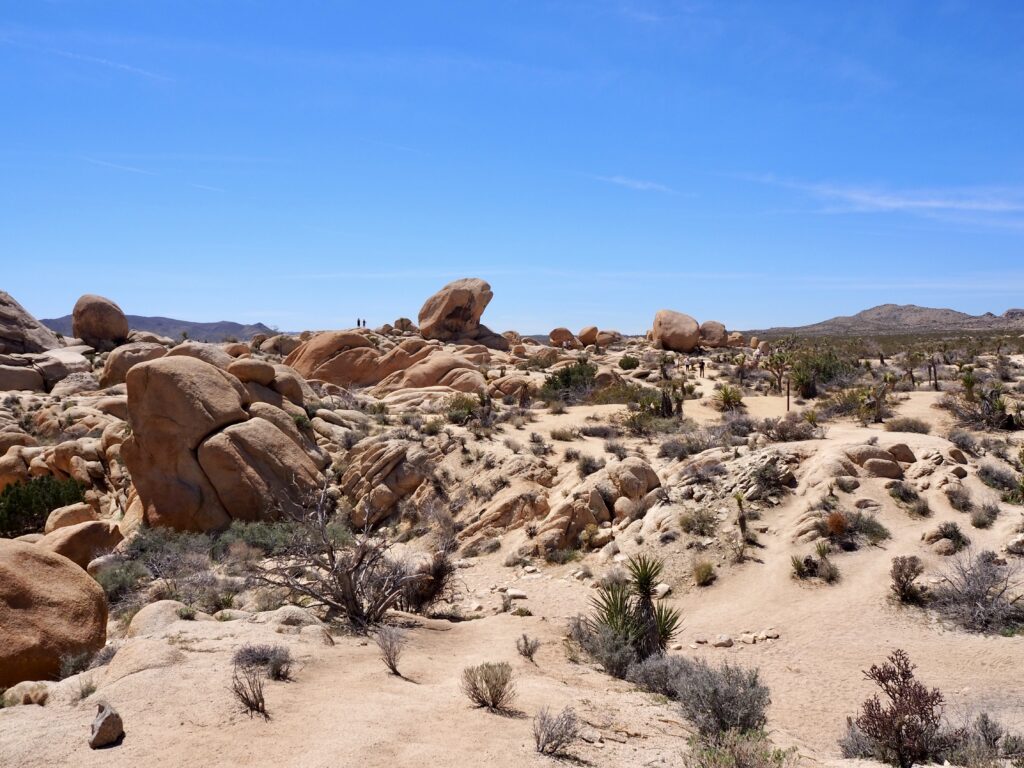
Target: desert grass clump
pixel 247 687
pixel 903 492
pixel 391 642
pixel 703 572
pixel 588 465
pixel 552 734
pixel 908 424
pixel 736 749
pixel 959 497
pixel 275 660
pixel 997 477
pixel 952 533
pixel 490 685
pixel 904 573
pixel 985 515
pixel 527 646
pixel 564 434
pixel 616 449
pixel 700 522
pixel 965 441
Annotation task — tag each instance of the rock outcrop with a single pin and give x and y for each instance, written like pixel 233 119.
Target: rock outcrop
pixel 675 331
pixel 20 332
pixel 713 334
pixel 453 314
pixel 49 608
pixel 99 322
pixel 197 456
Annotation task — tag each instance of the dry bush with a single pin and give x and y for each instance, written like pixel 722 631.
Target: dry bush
pixel 959 498
pixel 660 674
pixel 490 685
pixel 247 686
pixel 553 733
pixel 965 441
pixel 981 593
pixel 720 699
pixel 275 660
pixel 908 424
pixel 700 522
pixel 904 572
pixel 907 728
pixel 391 642
pixel 527 646
pixel 985 515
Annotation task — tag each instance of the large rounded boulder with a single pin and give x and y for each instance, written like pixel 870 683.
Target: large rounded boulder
pixel 49 609
pixel 675 331
pixel 99 322
pixel 20 332
pixel 713 334
pixel 121 360
pixel 453 314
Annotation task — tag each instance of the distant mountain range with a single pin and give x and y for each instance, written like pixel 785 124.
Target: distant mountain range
pixel 893 319
pixel 167 326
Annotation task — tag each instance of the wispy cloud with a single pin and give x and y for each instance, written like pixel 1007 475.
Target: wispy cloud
pixel 640 185
pixel 985 205
pixel 100 61
pixel 119 167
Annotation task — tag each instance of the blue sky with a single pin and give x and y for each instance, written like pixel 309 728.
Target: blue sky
pixel 305 163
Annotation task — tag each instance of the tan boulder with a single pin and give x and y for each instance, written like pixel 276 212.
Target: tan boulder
pixel 437 369
pixel 860 454
pixel 21 378
pixel 736 339
pixel 174 403
pixel 258 371
pixel 20 332
pixel 120 360
pixel 607 338
pixel 258 471
pixel 675 331
pixel 280 345
pixel 453 313
pixel 49 608
pixel 713 334
pixel 562 338
pixel 209 353
pixel 237 349
pixel 73 514
pixel 588 335
pixel 82 542
pixel 99 322
pixel 883 468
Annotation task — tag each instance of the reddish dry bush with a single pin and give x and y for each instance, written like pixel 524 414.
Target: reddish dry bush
pixel 837 524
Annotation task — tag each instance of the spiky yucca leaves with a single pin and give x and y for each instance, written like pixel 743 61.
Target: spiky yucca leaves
pixel 630 612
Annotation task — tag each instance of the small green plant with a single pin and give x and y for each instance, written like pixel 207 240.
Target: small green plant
pixel 25 506
pixel 628 362
pixel 727 398
pixel 703 573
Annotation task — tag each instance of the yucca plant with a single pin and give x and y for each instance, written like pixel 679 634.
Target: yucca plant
pixel 629 610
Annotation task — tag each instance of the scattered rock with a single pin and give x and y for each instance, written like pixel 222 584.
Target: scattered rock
pixel 107 728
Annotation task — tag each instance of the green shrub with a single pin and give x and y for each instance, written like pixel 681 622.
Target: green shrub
pixel 737 749
pixel 569 383
pixel 24 507
pixel 722 699
pixel 628 362
pixel 727 398
pixel 461 408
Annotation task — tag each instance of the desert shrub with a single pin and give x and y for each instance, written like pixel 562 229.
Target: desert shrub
pixel 270 538
pixel 603 431
pixel 904 572
pixel 981 593
pixel 790 428
pixel 628 362
pixel 104 655
pixel 703 572
pixel 700 522
pixel 391 642
pixel 73 663
pixel 688 444
pixel 275 660
pixel 724 698
pixel 985 409
pixel 997 477
pixel 612 650
pixel 959 497
pixel 527 646
pixel 553 733
pixel 907 727
pixel 588 465
pixel 965 441
pixel 490 685
pixel 121 580
pixel 847 530
pixel 903 492
pixel 908 424
pixel 660 674
pixel 25 506
pixel 985 515
pixel 247 687
pixel 738 424
pixel 432 427
pixel 768 478
pixel 727 398
pixel 952 533
pixel 570 383
pixel 736 749
pixel 704 472
pixel 461 408
pixel 919 508
pixel 572 454
pixel 564 434
pixel 618 450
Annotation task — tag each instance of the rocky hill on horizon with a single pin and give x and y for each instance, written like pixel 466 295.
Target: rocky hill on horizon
pixel 894 319
pixel 223 330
